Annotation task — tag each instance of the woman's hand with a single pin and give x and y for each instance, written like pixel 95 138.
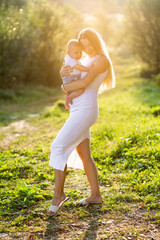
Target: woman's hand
pixel 65 70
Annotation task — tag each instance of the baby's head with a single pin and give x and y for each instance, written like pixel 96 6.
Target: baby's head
pixel 74 49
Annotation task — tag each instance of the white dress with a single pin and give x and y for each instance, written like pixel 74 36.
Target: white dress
pixel 83 114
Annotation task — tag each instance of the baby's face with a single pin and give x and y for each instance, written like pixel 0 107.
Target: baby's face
pixel 75 52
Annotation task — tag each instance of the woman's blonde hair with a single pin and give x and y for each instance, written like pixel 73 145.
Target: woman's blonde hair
pixel 98 44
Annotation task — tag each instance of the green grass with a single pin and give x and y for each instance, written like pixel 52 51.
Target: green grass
pixel 125 144
pixel 19 103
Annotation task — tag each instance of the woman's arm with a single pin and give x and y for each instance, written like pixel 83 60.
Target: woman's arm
pixel 81 68
pixel 101 65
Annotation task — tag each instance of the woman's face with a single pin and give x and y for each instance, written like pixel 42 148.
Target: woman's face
pixel 87 47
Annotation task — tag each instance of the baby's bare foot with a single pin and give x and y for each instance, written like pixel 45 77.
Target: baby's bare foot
pixel 67 106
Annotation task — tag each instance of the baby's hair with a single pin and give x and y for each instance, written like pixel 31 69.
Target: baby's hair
pixel 73 42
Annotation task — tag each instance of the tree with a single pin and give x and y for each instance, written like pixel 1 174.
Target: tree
pixel 33 42
pixel 143 29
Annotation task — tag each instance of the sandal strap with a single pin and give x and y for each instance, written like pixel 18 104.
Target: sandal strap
pixel 83 201
pixel 53 208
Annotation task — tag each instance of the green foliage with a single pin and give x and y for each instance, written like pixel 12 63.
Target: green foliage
pixel 156 78
pixel 142 28
pixel 15 3
pixel 156 111
pixel 7 94
pixel 57 113
pixel 33 41
pixel 25 196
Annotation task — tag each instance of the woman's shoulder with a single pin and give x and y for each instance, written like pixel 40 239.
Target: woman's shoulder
pixel 102 59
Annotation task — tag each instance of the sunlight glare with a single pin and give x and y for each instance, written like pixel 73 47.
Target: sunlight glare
pixel 102 88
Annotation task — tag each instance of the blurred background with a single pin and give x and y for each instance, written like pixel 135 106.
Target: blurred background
pixel 34 34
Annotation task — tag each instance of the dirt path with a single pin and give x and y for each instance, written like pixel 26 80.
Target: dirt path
pixel 15 130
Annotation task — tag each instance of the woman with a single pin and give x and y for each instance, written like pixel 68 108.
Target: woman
pixel 83 114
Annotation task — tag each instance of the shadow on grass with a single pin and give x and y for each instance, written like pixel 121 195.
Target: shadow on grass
pixel 91 232
pixel 95 213
pixel 52 228
pixel 90 215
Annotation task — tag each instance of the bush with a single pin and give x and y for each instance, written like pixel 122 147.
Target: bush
pixel 33 41
pixel 156 78
pixel 16 3
pixel 156 111
pixel 142 28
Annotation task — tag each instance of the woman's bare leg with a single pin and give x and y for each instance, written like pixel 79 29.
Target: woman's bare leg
pixel 90 168
pixel 59 194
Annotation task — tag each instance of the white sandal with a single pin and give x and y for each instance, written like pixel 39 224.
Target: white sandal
pixel 54 209
pixel 84 202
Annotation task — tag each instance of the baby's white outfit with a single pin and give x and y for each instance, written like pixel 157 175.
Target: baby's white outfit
pixel 73 75
pixel 83 114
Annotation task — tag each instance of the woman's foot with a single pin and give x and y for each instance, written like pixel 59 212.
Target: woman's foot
pixel 57 201
pixel 92 199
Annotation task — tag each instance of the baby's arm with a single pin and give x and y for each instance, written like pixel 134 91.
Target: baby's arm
pixel 81 68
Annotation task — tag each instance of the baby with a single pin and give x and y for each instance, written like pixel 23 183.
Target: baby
pixel 74 53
